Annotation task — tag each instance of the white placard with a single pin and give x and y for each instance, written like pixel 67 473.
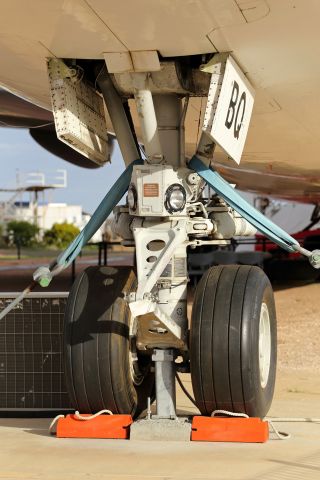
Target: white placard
pixel 230 113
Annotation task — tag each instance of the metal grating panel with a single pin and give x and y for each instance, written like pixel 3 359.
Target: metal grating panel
pixel 31 365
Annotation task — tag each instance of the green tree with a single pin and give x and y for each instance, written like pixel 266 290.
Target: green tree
pixel 22 233
pixel 60 234
pixel 2 242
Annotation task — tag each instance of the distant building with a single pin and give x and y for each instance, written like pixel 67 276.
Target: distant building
pixel 46 214
pixel 36 209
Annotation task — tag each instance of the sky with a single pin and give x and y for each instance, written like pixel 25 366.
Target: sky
pixel 18 151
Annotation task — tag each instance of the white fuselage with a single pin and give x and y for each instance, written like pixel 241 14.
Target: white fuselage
pixel 276 43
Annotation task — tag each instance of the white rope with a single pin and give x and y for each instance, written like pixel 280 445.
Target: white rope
pixel 284 435
pixel 293 419
pixel 231 414
pixel 14 302
pixel 91 417
pixel 280 435
pixel 55 271
pixel 54 421
pixel 78 417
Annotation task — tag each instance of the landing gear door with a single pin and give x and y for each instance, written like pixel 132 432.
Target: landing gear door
pixel 229 106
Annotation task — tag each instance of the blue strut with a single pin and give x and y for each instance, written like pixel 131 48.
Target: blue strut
pixel 43 275
pixel 101 213
pixel 247 211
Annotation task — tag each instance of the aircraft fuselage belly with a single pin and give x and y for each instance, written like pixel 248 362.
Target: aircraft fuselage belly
pixel 275 43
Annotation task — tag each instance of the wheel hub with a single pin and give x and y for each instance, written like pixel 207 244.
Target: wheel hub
pixel 264 345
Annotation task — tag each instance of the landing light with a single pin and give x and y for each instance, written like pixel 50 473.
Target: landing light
pixel 175 198
pixel 132 197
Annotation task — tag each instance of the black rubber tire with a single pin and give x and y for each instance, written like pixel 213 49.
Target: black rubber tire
pixel 224 345
pixel 97 344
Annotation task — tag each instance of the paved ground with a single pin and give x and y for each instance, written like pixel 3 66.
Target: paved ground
pixel 29 452
pixel 15 275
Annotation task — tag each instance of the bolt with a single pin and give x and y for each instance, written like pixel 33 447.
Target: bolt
pixel 314 258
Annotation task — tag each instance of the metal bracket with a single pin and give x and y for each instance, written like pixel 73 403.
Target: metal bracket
pixel 149 273
pixel 58 69
pixel 172 237
pixel 144 307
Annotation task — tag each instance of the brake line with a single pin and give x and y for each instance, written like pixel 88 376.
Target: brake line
pixel 185 391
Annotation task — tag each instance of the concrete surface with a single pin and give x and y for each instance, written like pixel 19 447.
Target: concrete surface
pixel 29 452
pixel 161 429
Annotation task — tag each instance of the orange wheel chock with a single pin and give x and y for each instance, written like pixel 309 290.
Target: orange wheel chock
pixel 220 429
pixel 102 426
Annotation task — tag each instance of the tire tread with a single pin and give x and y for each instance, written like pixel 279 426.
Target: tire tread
pixel 224 350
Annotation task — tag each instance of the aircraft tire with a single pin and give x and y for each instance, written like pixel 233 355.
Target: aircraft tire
pixel 233 345
pixel 103 369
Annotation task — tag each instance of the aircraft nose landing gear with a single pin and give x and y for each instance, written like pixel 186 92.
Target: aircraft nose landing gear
pixel 116 325
pixel 124 329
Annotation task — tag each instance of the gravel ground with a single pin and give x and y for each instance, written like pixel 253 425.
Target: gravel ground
pixel 298 327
